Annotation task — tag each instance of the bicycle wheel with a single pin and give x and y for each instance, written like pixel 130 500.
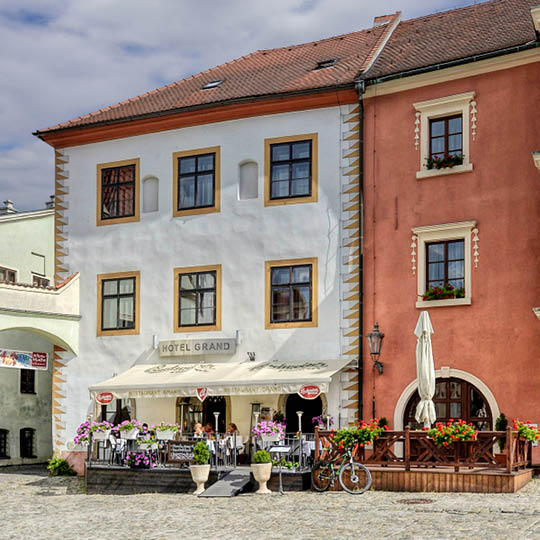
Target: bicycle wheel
pixel 355 478
pixel 321 474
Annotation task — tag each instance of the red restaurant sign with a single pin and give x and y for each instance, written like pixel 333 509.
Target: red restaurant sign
pixel 104 398
pixel 202 393
pixel 309 391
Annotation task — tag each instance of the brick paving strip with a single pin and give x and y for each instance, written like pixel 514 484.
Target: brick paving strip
pixel 36 507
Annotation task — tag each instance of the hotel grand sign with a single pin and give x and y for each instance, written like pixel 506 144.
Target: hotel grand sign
pixel 191 347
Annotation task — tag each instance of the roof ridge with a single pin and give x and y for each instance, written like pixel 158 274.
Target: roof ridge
pixel 338 36
pixel 476 4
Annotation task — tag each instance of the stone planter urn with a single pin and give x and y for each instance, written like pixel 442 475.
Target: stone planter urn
pixel 262 473
pixel 199 474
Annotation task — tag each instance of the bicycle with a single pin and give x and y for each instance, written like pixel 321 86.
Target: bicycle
pixel 353 477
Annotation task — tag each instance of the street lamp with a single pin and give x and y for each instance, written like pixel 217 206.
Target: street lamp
pixel 375 339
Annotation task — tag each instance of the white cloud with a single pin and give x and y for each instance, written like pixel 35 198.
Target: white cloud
pixel 61 59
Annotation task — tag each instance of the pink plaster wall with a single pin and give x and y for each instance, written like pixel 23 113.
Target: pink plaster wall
pixel 76 459
pixel 497 338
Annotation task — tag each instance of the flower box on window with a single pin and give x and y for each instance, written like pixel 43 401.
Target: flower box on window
pixel 436 162
pixel 443 293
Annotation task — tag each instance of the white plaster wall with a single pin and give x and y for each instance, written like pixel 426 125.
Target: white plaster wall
pixel 20 235
pixel 241 238
pixel 18 410
pixel 156 410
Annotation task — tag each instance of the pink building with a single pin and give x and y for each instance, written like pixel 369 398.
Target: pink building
pixel 452 196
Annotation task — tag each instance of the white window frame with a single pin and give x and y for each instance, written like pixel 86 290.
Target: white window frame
pixel 436 233
pixel 440 108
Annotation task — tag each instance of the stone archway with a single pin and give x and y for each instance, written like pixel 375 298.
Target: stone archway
pixel 444 373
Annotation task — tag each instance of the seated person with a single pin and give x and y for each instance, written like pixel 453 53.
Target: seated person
pixel 208 429
pixel 232 429
pixel 198 431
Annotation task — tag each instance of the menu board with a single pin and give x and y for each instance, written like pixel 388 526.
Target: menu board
pixel 180 451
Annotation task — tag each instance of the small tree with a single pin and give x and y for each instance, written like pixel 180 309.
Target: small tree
pixel 201 454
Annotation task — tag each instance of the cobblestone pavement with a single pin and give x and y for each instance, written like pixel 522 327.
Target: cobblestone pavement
pixel 35 507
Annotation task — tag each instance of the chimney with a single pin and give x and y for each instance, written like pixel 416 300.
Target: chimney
pixel 383 19
pixel 8 208
pixel 50 203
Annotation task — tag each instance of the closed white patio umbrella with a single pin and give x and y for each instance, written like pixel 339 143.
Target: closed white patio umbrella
pixel 425 370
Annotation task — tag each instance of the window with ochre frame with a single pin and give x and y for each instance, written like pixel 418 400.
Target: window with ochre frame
pixel 118 302
pixel 291 293
pixel 118 192
pixel 197 298
pixel 197 181
pixel 291 169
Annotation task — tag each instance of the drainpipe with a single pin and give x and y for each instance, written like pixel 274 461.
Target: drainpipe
pixel 360 89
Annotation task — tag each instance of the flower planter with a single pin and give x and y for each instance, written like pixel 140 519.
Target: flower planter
pixel 101 435
pixel 273 437
pixel 130 434
pixel 166 435
pixel 199 474
pixel 262 473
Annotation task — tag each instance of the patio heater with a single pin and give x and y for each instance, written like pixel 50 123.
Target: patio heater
pixel 300 413
pixel 216 414
pixel 375 340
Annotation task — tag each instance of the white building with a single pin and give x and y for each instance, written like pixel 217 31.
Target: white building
pixel 34 319
pixel 222 207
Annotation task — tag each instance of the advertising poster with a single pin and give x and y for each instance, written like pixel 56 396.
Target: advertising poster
pixel 23 359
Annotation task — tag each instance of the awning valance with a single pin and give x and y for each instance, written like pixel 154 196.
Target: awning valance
pixel 220 379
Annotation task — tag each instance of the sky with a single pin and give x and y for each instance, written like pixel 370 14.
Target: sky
pixel 61 59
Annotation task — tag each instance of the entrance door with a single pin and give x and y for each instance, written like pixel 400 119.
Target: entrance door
pixel 310 407
pixel 454 399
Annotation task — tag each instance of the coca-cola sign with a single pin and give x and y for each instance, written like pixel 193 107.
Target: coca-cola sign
pixel 202 393
pixel 104 398
pixel 309 391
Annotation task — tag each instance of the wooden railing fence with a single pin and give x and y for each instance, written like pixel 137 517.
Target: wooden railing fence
pixel 408 448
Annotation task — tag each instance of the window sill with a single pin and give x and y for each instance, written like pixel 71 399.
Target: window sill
pixel 299 324
pixel 429 173
pixel 196 211
pixel 443 303
pixel 200 328
pixel 128 332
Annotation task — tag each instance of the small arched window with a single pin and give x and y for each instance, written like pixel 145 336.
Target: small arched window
pixel 248 186
pixel 150 194
pixel 27 441
pixel 4 448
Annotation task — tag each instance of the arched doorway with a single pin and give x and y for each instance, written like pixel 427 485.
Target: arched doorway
pixel 454 398
pixel 310 407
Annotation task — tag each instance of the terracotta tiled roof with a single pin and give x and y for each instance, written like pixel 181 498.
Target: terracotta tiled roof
pixel 456 34
pixel 416 43
pixel 265 72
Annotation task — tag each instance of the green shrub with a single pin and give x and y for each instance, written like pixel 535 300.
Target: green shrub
pixel 261 456
pixel 60 467
pixel 201 454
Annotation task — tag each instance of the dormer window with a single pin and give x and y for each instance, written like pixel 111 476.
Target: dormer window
pixel 326 63
pixel 212 84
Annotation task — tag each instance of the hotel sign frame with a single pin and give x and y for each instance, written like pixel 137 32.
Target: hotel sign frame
pixel 197 347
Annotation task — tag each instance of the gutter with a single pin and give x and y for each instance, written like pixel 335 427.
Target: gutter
pixel 360 89
pixel 450 63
